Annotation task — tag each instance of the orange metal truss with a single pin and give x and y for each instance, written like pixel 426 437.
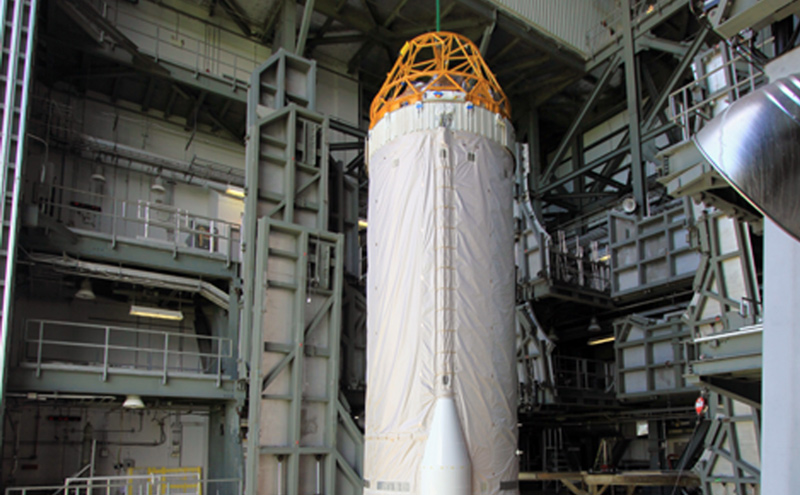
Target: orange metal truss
pixel 437 62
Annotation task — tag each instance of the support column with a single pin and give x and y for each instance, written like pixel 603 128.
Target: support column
pixel 225 453
pixel 285 37
pixel 535 157
pixel 780 436
pixel 638 179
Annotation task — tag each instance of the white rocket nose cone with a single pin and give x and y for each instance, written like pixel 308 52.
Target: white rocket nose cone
pixel 446 469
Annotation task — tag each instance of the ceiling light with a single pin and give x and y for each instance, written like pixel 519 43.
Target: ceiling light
pixel 236 192
pixel 362 224
pixel 158 185
pixel 85 292
pixel 161 313
pixel 594 326
pixel 133 402
pixel 629 205
pixel 601 340
pixel 98 176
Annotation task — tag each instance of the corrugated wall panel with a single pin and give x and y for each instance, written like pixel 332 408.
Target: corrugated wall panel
pixel 575 23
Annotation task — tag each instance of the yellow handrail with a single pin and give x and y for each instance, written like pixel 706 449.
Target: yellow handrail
pixel 191 478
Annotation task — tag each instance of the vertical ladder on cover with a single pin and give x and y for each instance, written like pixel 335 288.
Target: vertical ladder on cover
pixel 17 33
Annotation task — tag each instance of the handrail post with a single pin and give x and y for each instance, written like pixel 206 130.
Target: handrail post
pixel 113 222
pixel 219 362
pixel 177 228
pixel 39 350
pixel 166 358
pixel 105 353
pixel 213 236
pixel 147 220
pixel 229 237
pixel 235 77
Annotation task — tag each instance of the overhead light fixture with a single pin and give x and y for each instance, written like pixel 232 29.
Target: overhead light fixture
pixel 362 224
pixel 629 205
pixel 160 313
pixel 98 176
pixel 605 258
pixel 601 340
pixel 594 325
pixel 133 402
pixel 85 292
pixel 158 185
pixel 236 192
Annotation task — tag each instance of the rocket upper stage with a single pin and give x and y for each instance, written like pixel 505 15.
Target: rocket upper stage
pixel 441 361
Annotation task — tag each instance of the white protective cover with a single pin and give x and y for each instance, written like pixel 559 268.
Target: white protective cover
pixel 406 278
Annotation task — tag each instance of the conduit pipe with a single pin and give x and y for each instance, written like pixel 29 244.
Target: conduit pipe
pixel 169 167
pixel 140 277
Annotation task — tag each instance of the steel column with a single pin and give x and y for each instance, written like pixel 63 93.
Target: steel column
pixel 637 174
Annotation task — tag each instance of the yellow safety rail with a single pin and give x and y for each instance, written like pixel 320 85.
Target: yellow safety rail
pixel 172 480
pixel 438 62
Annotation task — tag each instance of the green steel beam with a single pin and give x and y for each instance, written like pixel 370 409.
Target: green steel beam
pixel 89 382
pixel 305 23
pixel 667 9
pixel 555 161
pixel 134 253
pixel 637 177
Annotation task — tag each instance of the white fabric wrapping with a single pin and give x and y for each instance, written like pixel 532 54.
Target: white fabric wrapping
pixel 402 308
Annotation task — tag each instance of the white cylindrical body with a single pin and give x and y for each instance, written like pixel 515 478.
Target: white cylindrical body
pixel 441 344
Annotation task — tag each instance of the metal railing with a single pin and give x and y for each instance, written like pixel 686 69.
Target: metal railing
pixel 722 75
pixel 207 56
pixel 583 374
pixel 51 344
pixel 84 211
pixel 576 267
pixel 138 484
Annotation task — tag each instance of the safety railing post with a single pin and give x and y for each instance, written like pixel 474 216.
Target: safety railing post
pixel 212 236
pixel 177 228
pixel 166 358
pixel 105 352
pixel 39 350
pixel 113 222
pixel 219 362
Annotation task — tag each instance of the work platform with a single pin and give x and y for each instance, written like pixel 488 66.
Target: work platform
pixel 586 483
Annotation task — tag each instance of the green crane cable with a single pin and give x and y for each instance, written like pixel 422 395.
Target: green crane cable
pixel 438 17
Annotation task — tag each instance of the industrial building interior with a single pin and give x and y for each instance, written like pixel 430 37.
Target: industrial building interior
pixel 185 195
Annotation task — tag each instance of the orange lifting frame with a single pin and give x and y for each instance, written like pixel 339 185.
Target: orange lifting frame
pixel 439 61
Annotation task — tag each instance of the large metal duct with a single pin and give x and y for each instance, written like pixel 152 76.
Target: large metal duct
pixel 755 145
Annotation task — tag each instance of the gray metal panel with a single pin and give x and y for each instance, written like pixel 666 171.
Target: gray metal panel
pixel 650 253
pixel 571 22
pixel 650 358
pixel 731 462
